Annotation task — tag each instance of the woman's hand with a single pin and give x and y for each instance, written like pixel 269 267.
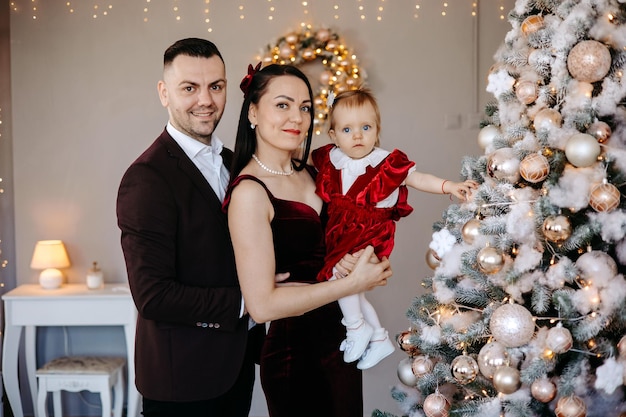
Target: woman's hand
pixel 369 271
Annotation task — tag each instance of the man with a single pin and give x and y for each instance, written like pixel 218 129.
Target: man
pixel 193 354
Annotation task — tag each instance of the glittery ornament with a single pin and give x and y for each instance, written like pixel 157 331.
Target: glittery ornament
pixel 404 343
pixel 534 168
pixel 589 61
pixel 512 325
pixel 490 357
pixel 436 405
pixel 559 339
pixel 571 406
pixel 526 92
pixel 487 135
pixel 600 130
pixel 506 379
pixel 421 366
pixel 547 118
pixel 582 150
pixel 532 24
pixel 502 164
pixel 604 197
pixel 557 228
pixel 470 230
pixel 543 390
pixel 432 260
pixel 490 260
pixel 405 372
pixel 464 369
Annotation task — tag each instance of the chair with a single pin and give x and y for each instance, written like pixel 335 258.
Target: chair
pixel 82 373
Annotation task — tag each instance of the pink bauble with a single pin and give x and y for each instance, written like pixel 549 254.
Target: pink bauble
pixel 589 61
pixel 604 197
pixel 547 118
pixel 512 325
pixel 534 168
pixel 526 92
pixel 571 406
pixel 600 130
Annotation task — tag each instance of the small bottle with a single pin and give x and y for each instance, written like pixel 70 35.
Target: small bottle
pixel 95 280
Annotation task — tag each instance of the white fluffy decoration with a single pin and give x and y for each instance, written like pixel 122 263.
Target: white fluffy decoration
pixel 573 188
pixel 523 286
pixel 527 258
pixel 606 289
pixel 609 376
pixel 554 276
pixel 500 82
pixel 442 241
pixel 431 334
pixel 491 408
pixel 442 293
pixel 613 225
pixel 520 223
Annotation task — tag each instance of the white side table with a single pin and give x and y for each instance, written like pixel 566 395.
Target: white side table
pixel 29 306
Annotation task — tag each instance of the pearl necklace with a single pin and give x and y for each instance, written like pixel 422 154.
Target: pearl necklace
pixel 271 171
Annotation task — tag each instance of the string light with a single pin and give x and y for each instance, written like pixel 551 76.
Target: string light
pixel 445 9
pixel 416 14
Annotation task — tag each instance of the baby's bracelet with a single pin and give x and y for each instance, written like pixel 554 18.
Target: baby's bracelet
pixel 442 184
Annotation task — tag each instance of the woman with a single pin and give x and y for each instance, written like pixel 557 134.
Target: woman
pixel 277 226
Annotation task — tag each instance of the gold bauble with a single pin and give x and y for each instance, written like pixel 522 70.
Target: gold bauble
pixel 490 260
pixel 421 366
pixel 547 118
pixel 436 405
pixel 534 168
pixel 600 130
pixel 559 339
pixel 571 406
pixel 464 369
pixel 543 390
pixel 512 325
pixel 308 54
pixel 331 45
pixel 604 197
pixel 557 228
pixel 490 357
pixel 323 35
pixel 432 260
pixel 325 77
pixel 286 52
pixel 526 92
pixel 470 230
pixel 404 343
pixel 291 38
pixel 502 164
pixel 405 373
pixel 589 61
pixel 582 150
pixel 506 379
pixel 532 24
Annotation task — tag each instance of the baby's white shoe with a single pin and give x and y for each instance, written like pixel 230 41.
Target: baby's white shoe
pixel 358 336
pixel 378 349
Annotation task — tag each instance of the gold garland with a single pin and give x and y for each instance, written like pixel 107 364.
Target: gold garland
pixel 341 67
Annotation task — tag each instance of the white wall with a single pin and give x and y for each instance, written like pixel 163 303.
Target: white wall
pixel 84 106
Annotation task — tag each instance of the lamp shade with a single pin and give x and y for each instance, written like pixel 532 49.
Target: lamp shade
pixel 50 255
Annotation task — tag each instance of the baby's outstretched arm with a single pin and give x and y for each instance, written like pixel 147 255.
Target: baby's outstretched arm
pixel 432 184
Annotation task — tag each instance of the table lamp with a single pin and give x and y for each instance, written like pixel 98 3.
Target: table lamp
pixel 50 255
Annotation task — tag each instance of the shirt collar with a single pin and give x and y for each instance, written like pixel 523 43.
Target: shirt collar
pixel 191 146
pixel 356 166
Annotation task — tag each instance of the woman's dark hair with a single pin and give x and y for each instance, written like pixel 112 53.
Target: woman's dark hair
pixel 245 143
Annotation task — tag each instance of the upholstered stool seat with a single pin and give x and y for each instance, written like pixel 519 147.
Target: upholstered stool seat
pixel 82 373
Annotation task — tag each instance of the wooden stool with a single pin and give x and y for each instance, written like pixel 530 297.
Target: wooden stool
pixel 81 373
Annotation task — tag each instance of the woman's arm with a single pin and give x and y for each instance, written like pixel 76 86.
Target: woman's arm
pixel 252 239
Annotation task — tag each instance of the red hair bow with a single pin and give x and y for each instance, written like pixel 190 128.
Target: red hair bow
pixel 247 80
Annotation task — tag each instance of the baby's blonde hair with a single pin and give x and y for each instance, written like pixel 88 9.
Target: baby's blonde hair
pixel 353 99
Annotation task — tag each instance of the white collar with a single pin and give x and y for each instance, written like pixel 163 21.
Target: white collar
pixel 356 167
pixel 192 147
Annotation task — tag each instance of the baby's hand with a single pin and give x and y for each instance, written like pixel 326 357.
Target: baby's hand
pixel 462 190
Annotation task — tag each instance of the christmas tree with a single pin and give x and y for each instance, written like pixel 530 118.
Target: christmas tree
pixel 525 314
